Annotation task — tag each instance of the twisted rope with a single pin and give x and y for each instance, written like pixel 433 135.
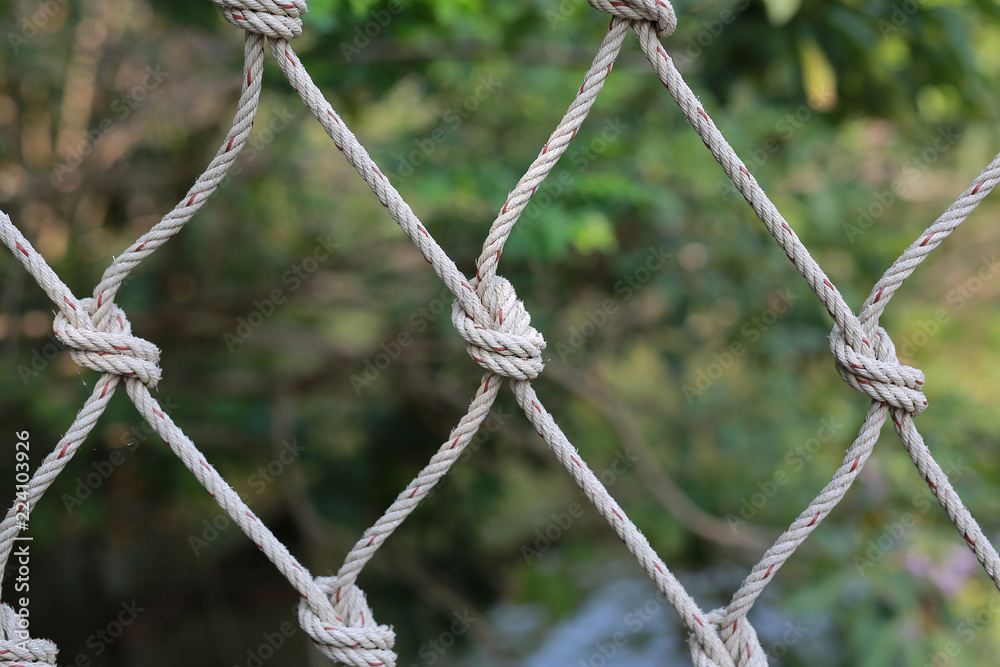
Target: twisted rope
pixel 265 17
pixel 95 328
pixel 882 378
pixel 854 335
pixel 19 650
pixel 115 352
pixel 507 345
pixel 355 636
pixel 496 327
pixel 746 637
pixel 658 13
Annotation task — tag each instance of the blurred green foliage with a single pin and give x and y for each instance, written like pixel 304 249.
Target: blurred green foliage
pixel 835 106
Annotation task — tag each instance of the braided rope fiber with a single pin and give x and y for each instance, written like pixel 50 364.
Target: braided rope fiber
pixel 496 327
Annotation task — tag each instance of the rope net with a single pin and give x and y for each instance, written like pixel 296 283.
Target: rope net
pixel 497 329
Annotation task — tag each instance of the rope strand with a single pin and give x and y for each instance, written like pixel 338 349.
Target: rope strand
pixel 496 327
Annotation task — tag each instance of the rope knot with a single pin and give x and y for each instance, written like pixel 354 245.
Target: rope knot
pixel 881 377
pixel 352 637
pixel 743 644
pixel 508 345
pixel 271 18
pixel 658 12
pixel 116 351
pixel 17 648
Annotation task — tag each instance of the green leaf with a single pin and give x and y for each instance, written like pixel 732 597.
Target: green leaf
pixel 780 12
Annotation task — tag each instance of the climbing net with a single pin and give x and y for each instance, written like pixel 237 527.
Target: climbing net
pixel 499 337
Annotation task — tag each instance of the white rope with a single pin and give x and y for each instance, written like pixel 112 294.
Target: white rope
pixel 659 13
pixel 204 186
pixel 496 327
pixel 89 326
pixel 265 17
pixel 508 346
pixel 116 352
pixel 848 333
pixel 882 378
pixel 18 651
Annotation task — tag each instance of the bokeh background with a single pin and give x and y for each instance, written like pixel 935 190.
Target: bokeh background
pixel 863 119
